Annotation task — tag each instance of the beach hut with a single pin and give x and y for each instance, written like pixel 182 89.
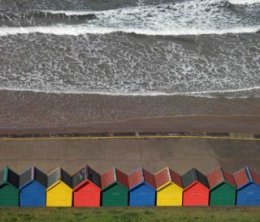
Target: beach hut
pixel 86 188
pixel 248 187
pixel 196 189
pixel 33 183
pixel 114 185
pixel 142 188
pixel 59 189
pixel 9 188
pixel 169 188
pixel 222 188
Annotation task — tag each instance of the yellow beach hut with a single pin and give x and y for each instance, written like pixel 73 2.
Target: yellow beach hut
pixel 59 190
pixel 169 188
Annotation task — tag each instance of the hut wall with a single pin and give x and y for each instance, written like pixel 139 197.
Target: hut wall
pixel 171 195
pixel 196 195
pixel 223 195
pixel 116 195
pixel 33 195
pixel 88 195
pixel 249 195
pixel 143 195
pixel 9 196
pixel 59 195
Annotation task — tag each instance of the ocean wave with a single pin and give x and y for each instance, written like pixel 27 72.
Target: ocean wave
pixel 229 93
pixel 190 17
pixel 77 30
pixel 244 2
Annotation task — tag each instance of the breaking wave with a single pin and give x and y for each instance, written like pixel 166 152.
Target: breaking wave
pixel 244 2
pixel 190 17
pixel 81 30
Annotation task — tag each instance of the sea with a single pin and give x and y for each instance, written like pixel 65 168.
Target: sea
pixel 206 48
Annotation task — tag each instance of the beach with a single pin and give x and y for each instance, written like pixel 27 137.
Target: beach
pixel 30 112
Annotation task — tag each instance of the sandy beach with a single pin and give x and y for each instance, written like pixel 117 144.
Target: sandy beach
pixel 36 113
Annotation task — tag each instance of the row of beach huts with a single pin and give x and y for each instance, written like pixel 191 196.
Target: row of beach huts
pixel 87 188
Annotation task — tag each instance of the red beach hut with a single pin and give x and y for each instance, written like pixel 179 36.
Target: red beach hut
pixel 86 188
pixel 196 189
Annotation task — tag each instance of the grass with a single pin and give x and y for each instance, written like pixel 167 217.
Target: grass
pixel 130 214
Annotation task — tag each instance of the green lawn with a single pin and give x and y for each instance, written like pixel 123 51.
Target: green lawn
pixel 130 214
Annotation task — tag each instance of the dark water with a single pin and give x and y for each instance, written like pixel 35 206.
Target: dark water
pixel 78 5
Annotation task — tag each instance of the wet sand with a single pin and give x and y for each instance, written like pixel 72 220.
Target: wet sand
pixel 36 113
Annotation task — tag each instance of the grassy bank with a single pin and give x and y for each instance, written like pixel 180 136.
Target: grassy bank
pixel 130 214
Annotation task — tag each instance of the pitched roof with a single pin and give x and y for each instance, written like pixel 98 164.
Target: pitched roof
pixel 113 176
pixel 86 173
pixel 140 176
pixel 219 176
pixel 245 176
pixel 59 174
pixel 33 174
pixel 193 176
pixel 255 177
pixel 166 176
pixel 7 176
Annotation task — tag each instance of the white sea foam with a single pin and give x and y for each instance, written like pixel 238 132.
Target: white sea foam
pixel 206 93
pixel 70 13
pixel 76 30
pixel 244 2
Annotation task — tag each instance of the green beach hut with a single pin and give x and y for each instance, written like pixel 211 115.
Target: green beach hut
pixel 222 188
pixel 114 188
pixel 9 188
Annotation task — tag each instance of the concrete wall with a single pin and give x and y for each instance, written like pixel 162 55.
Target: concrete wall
pixel 128 154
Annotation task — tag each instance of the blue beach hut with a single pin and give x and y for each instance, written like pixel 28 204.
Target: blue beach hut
pixel 33 184
pixel 248 187
pixel 142 188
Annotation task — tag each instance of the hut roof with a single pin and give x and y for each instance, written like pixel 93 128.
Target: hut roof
pixel 86 173
pixel 245 176
pixel 219 176
pixel 193 176
pixel 33 174
pixel 113 176
pixel 255 177
pixel 7 176
pixel 59 175
pixel 166 176
pixel 140 176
